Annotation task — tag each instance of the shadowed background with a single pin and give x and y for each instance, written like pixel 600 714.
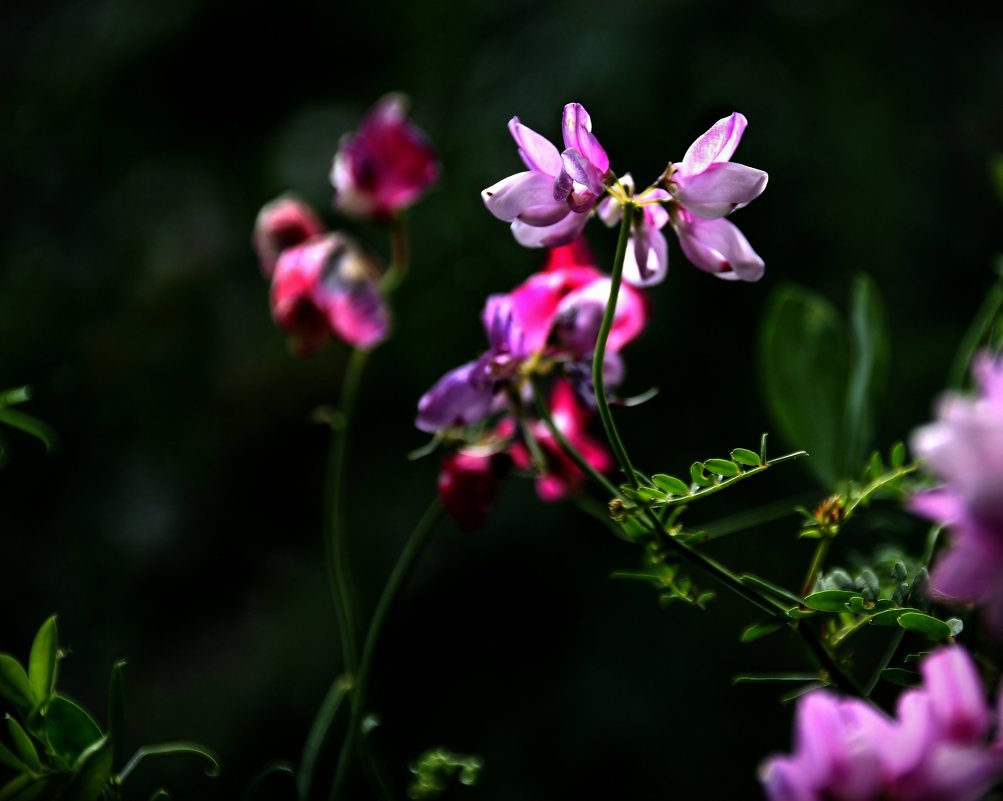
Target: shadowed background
pixel 178 526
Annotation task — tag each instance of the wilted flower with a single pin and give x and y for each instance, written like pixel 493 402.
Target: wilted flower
pixel 284 223
pixel 328 286
pixel 549 204
pixel 384 167
pixel 935 748
pixel 964 448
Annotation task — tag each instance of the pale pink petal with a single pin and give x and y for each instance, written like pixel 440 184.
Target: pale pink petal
pixel 511 196
pixel 578 135
pixel 718 247
pixel 720 189
pixel 957 698
pixel 717 144
pixel 560 233
pixel 646 262
pixel 536 151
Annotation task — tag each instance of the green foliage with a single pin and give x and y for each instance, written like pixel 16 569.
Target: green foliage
pixel 57 748
pixel 17 419
pixel 822 376
pixel 434 769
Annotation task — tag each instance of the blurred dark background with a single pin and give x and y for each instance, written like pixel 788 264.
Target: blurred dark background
pixel 178 526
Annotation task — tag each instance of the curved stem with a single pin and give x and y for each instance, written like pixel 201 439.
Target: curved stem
pixel 398 576
pixel 400 258
pixel 318 733
pixel 598 358
pixel 543 411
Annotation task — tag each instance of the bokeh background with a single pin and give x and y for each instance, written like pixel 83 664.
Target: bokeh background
pixel 178 525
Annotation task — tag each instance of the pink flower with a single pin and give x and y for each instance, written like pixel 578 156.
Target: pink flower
pixel 549 204
pixel 964 448
pixel 935 748
pixel 718 247
pixel 327 287
pixel 468 485
pixel 384 167
pixel 284 223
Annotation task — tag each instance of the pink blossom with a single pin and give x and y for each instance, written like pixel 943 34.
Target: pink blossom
pixel 549 204
pixel 328 287
pixel 934 749
pixel 964 448
pixel 717 247
pixel 468 485
pixel 284 223
pixel 384 167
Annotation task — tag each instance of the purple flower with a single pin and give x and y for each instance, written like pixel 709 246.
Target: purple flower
pixel 935 748
pixel 646 261
pixel 328 287
pixel 549 204
pixel 384 167
pixel 964 448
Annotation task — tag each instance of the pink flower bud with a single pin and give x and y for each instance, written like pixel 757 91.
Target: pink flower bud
pixel 468 486
pixel 281 224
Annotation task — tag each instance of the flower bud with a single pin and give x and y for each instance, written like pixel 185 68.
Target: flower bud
pixel 281 224
pixel 468 486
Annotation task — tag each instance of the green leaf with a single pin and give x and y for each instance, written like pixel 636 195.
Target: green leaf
pixel 90 773
pixel 24 747
pixel 897 455
pixel 797 613
pixel 650 494
pixel 699 477
pixel 868 365
pixel 722 467
pixel 14 786
pixel 670 484
pixel 14 683
pixel 116 714
pixel 746 457
pixel 8 758
pixel 890 617
pixel 900 676
pixel 30 425
pixel 803 355
pixel 759 630
pixel 12 397
pixel 631 494
pixel 70 728
pixel 42 662
pixel 169 749
pixel 929 627
pixel 830 600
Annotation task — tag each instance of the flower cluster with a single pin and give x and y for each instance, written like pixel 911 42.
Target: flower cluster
pixel 323 283
pixel 550 203
pixel 935 749
pixel 964 448
pixel 548 323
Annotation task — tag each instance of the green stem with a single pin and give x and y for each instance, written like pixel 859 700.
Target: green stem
pixel 318 733
pixel 405 563
pixel 598 358
pixel 400 258
pixel 817 563
pixel 543 411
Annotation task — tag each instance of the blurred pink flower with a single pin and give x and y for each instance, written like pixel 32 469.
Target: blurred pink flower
pixel 468 485
pixel 935 749
pixel 384 167
pixel 284 223
pixel 964 448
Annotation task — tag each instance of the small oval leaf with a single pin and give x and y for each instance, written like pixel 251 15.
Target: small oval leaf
pixel 670 484
pixel 25 748
pixel 650 494
pixel 830 600
pixel 890 617
pixel 759 630
pixel 929 627
pixel 699 477
pixel 42 662
pixel 746 457
pixel 722 467
pixel 14 683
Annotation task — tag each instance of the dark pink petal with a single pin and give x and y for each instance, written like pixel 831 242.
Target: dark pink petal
pixel 573 254
pixel 512 196
pixel 468 486
pixel 578 135
pixel 718 247
pixel 957 698
pixel 560 233
pixel 717 144
pixel 720 189
pixel 281 224
pixel 536 300
pixel 536 152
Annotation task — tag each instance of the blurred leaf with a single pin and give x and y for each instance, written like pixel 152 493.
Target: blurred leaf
pixel 12 397
pixel 900 676
pixel 650 494
pixel 996 172
pixel 803 361
pixel 42 662
pixel 10 759
pixel 24 747
pixel 268 771
pixel 775 589
pixel 90 773
pixel 868 366
pixel 116 714
pixel 69 728
pixel 27 788
pixel 171 749
pixel 30 425
pixel 929 627
pixel 978 333
pixel 14 786
pixel 14 683
pixel 897 456
pixel 830 600
pixel 670 484
pixel 759 630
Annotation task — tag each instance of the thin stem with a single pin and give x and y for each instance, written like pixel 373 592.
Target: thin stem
pixel 318 733
pixel 543 411
pixel 598 358
pixel 400 258
pixel 398 576
pixel 817 563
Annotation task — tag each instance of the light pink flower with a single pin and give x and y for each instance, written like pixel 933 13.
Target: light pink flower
pixel 964 448
pixel 934 749
pixel 549 204
pixel 384 167
pixel 328 287
pixel 717 247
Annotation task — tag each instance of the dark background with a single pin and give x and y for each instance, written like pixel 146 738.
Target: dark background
pixel 178 526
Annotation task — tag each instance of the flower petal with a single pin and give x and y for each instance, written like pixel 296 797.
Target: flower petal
pixel 720 189
pixel 582 171
pixel 514 195
pixel 560 233
pixel 578 135
pixel 537 152
pixel 718 247
pixel 647 260
pixel 718 143
pixel 463 396
pixel 957 698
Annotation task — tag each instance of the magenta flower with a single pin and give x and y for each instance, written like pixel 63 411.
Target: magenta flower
pixel 468 485
pixel 935 749
pixel 384 167
pixel 964 448
pixel 549 204
pixel 328 287
pixel 284 223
